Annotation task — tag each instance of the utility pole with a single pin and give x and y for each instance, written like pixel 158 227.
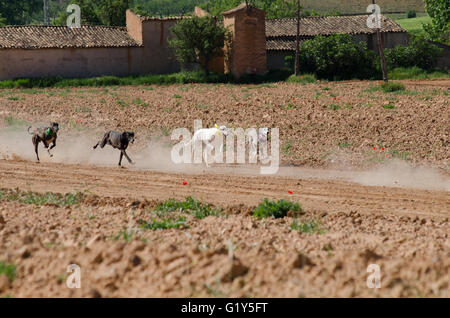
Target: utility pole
pixel 45 13
pixel 380 48
pixel 297 41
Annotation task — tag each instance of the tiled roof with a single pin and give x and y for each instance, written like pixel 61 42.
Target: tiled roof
pixel 40 37
pixel 163 18
pixel 281 44
pixel 149 18
pixel 243 5
pixel 312 26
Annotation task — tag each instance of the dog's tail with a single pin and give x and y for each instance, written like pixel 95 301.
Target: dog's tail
pixel 29 130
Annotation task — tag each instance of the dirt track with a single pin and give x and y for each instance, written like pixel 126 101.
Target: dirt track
pixel 395 215
pixel 404 231
pixel 222 189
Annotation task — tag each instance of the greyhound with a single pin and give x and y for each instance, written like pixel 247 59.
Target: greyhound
pixel 118 140
pixel 262 139
pixel 206 136
pixel 47 135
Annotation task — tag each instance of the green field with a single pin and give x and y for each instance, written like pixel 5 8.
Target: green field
pixel 358 6
pixel 414 25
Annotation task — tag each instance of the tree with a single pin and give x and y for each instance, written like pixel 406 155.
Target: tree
pixel 439 29
pixel 419 52
pixel 18 11
pixel 297 41
pixel 103 12
pixel 338 57
pixel 113 12
pixel 165 7
pixel 2 20
pixel 198 40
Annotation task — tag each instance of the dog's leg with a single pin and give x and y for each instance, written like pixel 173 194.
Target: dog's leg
pixel 253 149
pixel 128 158
pixel 36 144
pixel 52 146
pixel 120 160
pixel 208 148
pixel 102 142
pixel 262 153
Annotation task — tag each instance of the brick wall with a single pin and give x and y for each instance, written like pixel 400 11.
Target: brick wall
pixel 247 54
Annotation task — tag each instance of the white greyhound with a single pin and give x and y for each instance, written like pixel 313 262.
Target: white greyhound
pixel 262 139
pixel 206 136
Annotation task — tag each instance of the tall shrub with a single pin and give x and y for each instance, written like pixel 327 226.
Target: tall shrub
pixel 419 52
pixel 337 57
pixel 198 40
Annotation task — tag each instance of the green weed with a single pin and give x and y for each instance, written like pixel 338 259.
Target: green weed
pixel 275 209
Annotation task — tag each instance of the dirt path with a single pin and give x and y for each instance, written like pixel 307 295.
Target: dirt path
pixel 405 231
pixel 223 189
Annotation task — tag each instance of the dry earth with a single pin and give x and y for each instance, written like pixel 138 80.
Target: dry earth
pixel 320 124
pixel 395 215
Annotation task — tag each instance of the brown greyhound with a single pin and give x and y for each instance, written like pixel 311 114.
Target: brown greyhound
pixel 47 135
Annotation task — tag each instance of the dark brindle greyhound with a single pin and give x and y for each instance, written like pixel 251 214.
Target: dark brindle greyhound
pixel 118 140
pixel 47 135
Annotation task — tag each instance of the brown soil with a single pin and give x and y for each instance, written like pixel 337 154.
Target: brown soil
pixel 396 216
pixel 312 131
pixel 404 231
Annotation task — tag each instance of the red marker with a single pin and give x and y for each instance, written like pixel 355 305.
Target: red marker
pixel 382 148
pixel 290 192
pixel 387 155
pixel 185 183
pixel 374 147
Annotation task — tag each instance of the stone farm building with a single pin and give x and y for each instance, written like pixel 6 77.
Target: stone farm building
pixel 142 48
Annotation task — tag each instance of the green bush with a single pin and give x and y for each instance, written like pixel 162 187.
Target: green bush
pixel 198 40
pixel 303 79
pixel 275 209
pixel 308 226
pixel 411 14
pixel 9 270
pixel 163 224
pixel 390 87
pixel 43 198
pixel 419 52
pixel 415 72
pixel 183 77
pixel 190 205
pixel 151 79
pixel 338 57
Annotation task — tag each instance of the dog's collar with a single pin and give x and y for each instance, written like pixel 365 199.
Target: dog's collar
pixel 218 130
pixel 49 132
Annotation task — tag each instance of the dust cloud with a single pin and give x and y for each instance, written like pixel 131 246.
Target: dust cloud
pixel 397 173
pixel 76 148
